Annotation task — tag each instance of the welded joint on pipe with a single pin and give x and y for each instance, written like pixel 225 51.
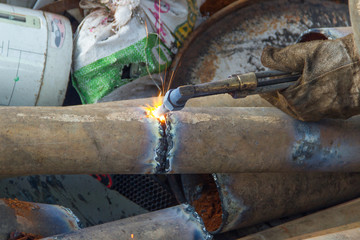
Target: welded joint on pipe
pixel 161 150
pixel 193 215
pixel 229 203
pixel 308 149
pixel 307 143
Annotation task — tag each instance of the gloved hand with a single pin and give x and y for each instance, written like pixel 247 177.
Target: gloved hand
pixel 329 86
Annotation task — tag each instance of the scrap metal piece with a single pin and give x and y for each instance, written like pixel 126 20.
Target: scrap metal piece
pixel 35 218
pixel 250 198
pixel 179 222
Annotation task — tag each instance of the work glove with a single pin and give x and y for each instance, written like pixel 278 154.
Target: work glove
pixel 330 80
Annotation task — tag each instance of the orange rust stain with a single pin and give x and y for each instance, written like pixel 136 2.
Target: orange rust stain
pixel 208 206
pixel 208 69
pixel 21 208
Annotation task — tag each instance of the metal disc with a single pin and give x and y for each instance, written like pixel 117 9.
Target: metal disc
pixel 232 40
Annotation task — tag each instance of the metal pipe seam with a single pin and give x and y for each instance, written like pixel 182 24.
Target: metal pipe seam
pixel 176 223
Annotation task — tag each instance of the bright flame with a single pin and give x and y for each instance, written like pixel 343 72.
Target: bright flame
pixel 151 110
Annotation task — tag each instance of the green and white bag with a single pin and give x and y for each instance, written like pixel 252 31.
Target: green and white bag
pixel 137 36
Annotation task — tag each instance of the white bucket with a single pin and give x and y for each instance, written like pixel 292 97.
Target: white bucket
pixel 35 57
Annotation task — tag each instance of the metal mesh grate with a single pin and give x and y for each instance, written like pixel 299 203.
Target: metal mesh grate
pixel 148 191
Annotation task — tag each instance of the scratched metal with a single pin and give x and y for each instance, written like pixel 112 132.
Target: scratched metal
pixel 233 43
pixel 36 218
pixel 252 198
pixel 176 223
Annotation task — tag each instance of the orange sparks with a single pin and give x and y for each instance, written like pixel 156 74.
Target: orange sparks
pixel 151 110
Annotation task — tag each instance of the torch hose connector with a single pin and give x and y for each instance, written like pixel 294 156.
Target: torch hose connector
pixel 239 85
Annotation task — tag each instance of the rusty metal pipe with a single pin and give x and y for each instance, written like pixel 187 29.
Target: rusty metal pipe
pixel 34 218
pixel 104 138
pixel 343 214
pixel 99 138
pixel 258 140
pixel 179 222
pixel 251 198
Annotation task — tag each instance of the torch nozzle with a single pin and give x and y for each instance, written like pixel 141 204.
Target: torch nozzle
pixel 239 85
pixel 162 110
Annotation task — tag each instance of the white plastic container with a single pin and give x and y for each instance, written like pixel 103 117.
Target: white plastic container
pixel 35 57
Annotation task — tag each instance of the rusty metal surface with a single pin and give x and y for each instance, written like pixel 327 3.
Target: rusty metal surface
pixel 209 140
pixel 35 218
pixel 233 42
pixel 179 222
pixel 76 140
pixel 251 198
pixel 333 217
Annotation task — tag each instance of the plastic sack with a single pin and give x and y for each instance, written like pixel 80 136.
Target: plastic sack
pixel 123 40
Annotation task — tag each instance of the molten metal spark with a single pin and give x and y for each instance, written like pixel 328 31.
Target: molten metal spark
pixel 151 110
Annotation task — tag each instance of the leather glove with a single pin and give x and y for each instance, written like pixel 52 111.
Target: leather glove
pixel 330 82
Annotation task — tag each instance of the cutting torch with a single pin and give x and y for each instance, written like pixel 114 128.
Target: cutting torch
pixel 238 86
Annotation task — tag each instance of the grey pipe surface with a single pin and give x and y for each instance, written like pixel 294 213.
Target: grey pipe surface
pixel 259 140
pixel 98 138
pixel 34 218
pixel 106 138
pixel 251 198
pixel 175 223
